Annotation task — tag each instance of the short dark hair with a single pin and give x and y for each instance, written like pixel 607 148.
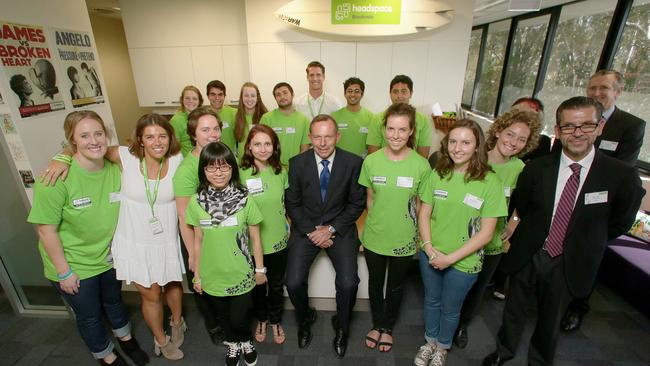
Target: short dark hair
pixel 577 103
pixel 72 71
pixel 193 121
pixel 315 64
pixel 280 85
pixel 402 79
pixel 215 84
pixel 352 81
pixel 402 109
pixel 539 106
pixel 321 118
pixel 218 153
pixel 16 83
pixel 153 119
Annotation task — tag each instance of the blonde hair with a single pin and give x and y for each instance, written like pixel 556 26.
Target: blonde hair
pixel 73 119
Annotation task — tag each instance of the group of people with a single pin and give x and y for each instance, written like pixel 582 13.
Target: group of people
pixel 238 201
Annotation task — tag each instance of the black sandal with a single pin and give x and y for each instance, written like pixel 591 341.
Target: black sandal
pixel 389 345
pixel 373 341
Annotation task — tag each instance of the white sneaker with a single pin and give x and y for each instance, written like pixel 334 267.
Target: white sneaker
pixel 439 357
pixel 233 353
pixel 425 354
pixel 250 354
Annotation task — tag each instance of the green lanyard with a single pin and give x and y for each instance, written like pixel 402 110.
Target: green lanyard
pixel 319 108
pixel 151 198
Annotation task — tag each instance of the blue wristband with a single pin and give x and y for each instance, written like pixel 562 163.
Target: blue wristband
pixel 65 276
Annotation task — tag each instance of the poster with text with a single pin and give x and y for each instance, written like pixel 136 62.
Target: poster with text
pixel 78 62
pixel 27 61
pixel 18 153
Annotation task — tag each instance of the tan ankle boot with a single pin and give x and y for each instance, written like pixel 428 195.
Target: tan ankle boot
pixel 168 350
pixel 178 332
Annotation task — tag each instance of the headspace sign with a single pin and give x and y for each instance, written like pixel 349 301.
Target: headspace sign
pixel 366 11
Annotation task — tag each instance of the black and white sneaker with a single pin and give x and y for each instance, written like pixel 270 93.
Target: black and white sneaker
pixel 233 353
pixel 250 354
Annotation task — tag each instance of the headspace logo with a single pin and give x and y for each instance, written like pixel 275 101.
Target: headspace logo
pixel 363 12
pixel 343 10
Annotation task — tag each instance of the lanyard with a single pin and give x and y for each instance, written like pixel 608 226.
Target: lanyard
pixel 319 108
pixel 151 197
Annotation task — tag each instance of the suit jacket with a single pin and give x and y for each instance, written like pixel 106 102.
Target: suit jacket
pixel 344 202
pixel 623 128
pixel 591 225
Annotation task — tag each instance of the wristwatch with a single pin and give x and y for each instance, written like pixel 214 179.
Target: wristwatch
pixel 331 229
pixel 260 270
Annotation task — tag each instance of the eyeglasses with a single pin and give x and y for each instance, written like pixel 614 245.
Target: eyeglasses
pixel 585 128
pixel 224 168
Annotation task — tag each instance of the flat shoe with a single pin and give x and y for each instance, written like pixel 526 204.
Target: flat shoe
pixel 370 341
pixel 260 331
pixel 278 333
pixel 388 345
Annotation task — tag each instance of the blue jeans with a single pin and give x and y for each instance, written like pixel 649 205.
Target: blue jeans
pixel 102 291
pixel 444 293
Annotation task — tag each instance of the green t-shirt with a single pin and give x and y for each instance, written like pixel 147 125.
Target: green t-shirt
pixel 226 264
pixel 391 226
pixel 227 117
pixel 508 173
pixel 186 178
pixel 423 131
pixel 353 127
pixel 242 143
pixel 457 211
pixel 179 122
pixel 85 207
pixel 267 191
pixel 292 131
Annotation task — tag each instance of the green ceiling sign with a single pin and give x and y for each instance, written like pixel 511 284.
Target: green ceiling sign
pixel 366 11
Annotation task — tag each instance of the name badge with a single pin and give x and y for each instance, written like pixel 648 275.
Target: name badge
pixel 343 126
pixel 155 225
pixel 205 223
pixel 114 197
pixel 440 194
pixel 82 202
pixel 225 125
pixel 254 185
pixel 231 221
pixel 379 180
pixel 363 129
pixel 277 129
pixel 608 145
pixel 595 197
pixel 291 130
pixel 506 191
pixel 473 201
pixel 406 182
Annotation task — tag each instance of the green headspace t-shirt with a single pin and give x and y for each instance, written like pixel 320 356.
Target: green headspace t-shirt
pixel 292 131
pixel 423 131
pixel 179 122
pixel 85 207
pixel 186 178
pixel 266 189
pixel 391 226
pixel 227 117
pixel 457 211
pixel 353 127
pixel 242 143
pixel 226 264
pixel 508 173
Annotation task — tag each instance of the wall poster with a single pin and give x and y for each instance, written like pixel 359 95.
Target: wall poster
pixel 26 59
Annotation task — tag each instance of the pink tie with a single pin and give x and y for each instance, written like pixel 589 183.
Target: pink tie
pixel 555 241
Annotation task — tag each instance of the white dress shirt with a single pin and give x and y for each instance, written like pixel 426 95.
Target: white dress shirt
pixel 310 107
pixel 565 172
pixel 320 166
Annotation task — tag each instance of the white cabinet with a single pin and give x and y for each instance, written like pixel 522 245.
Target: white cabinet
pixel 149 76
pixel 208 66
pixel 236 71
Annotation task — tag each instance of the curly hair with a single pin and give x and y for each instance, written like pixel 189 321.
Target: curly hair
pixel 478 166
pixel 507 119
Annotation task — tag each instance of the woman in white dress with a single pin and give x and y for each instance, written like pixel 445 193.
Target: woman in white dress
pixel 146 246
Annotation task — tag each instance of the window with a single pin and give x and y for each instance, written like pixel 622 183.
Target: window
pixel 472 64
pixel 577 46
pixel 633 60
pixel 495 51
pixel 523 62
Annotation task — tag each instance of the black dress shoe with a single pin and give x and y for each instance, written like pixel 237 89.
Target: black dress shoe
pixel 304 330
pixel 493 359
pixel 571 321
pixel 460 338
pixel 340 341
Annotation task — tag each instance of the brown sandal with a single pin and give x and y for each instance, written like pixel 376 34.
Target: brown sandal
pixel 260 331
pixel 278 333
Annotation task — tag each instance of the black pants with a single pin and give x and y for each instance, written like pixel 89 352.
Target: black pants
pixel 385 307
pixel 472 303
pixel 580 305
pixel 207 310
pixel 343 255
pixel 237 324
pixel 267 298
pixel 543 280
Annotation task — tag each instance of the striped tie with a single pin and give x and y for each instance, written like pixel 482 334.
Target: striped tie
pixel 555 241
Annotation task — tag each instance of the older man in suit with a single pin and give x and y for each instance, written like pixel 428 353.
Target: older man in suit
pixel 570 205
pixel 324 202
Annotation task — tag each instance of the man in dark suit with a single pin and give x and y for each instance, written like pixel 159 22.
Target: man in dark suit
pixel 570 205
pixel 622 138
pixel 324 201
